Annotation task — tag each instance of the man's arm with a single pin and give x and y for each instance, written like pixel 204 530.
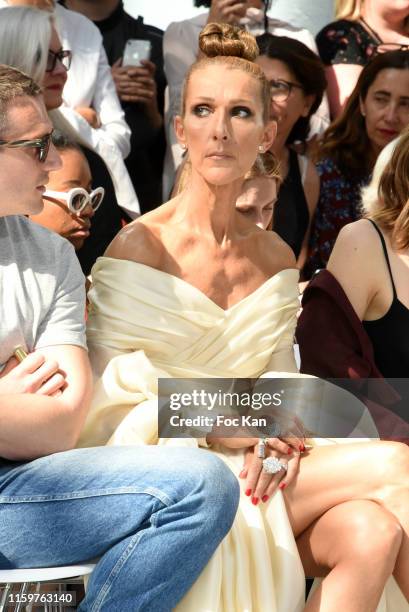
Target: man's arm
pixel 33 425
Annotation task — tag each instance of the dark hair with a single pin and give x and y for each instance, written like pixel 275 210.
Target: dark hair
pixel 62 142
pixel 307 68
pixel 346 141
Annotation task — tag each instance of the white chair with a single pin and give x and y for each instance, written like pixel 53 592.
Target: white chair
pixel 27 577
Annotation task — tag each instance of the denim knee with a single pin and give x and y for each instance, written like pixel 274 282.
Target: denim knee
pixel 219 488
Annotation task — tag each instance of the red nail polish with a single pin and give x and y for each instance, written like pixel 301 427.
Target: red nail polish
pixel 247 492
pixel 282 485
pixel 302 448
pixel 255 501
pixel 265 498
pixel 290 451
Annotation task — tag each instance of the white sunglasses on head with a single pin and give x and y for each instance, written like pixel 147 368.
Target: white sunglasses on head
pixel 78 198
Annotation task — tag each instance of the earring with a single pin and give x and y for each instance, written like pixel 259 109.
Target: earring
pixel 184 146
pixel 261 149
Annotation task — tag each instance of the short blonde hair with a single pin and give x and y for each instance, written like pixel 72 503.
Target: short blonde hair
pixel 14 84
pixel 386 199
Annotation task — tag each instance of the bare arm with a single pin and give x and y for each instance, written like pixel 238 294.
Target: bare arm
pixel 33 425
pixel 312 192
pixel 341 79
pixel 355 264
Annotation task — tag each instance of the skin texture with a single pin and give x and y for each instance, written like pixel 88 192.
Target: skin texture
pixel 386 107
pixel 55 215
pixel 53 82
pixel 257 199
pixel 23 178
pixel 287 114
pixel 49 392
pixel 231 11
pixel 202 224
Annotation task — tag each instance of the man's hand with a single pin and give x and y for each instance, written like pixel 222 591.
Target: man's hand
pixel 137 84
pixel 227 11
pixel 90 115
pixel 35 374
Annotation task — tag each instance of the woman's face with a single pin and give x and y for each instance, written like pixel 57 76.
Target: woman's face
pixel 223 125
pixel 257 200
pixel 386 106
pixel 54 81
pixel 55 215
pixel 297 105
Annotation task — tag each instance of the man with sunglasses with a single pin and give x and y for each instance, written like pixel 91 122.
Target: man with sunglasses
pixel 141 511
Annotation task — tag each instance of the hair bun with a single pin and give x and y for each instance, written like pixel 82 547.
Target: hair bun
pixel 228 40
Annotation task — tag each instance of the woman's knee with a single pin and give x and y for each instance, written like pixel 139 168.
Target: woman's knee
pixel 374 535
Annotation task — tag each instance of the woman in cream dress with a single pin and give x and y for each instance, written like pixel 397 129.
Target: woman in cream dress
pixel 194 289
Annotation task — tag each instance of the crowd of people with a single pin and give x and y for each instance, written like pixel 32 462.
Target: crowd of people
pixel 157 218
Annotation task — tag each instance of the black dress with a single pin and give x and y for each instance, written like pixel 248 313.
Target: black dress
pixel 291 215
pixel 346 42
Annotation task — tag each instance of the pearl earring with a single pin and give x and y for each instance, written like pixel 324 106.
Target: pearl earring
pixel 184 147
pixel 261 149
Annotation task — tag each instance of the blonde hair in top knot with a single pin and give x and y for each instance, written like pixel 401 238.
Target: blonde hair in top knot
pixel 231 46
pixel 228 40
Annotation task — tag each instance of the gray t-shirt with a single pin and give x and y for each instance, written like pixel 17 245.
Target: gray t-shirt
pixel 42 300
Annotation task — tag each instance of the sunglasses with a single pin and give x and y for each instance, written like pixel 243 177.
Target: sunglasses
pixel 78 198
pixel 280 90
pixel 64 57
pixel 386 47
pixel 42 144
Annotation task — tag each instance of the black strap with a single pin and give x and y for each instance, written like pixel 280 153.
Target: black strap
pixel 385 252
pixel 371 31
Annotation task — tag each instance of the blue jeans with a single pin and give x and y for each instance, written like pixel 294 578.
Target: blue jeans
pixel 153 515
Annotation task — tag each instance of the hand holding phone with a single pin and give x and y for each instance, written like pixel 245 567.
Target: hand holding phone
pixel 136 50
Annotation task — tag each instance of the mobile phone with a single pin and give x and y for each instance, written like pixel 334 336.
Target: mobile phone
pixel 136 50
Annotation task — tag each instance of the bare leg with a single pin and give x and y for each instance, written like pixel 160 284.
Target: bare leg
pixel 332 475
pixel 356 558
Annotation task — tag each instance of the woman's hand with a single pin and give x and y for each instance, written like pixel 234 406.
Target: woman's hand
pixel 261 485
pixel 35 374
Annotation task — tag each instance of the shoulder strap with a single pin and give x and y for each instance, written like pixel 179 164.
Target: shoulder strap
pixel 371 31
pixel 385 252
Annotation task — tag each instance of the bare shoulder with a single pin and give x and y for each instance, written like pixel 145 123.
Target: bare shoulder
pixel 354 240
pixel 140 241
pixel 355 262
pixel 275 254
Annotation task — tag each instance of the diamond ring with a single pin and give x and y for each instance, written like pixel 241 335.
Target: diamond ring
pixel 272 465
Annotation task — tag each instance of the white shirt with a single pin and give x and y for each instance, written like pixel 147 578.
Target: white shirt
pixel 180 49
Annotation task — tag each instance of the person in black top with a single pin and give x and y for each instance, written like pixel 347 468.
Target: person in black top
pixel 297 82
pixel 140 90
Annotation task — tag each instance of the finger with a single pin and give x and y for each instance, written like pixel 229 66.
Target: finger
pixel 118 63
pixel 41 375
pixel 296 443
pixel 246 464
pixel 31 363
pixel 292 471
pixel 279 445
pixel 277 478
pixel 52 385
pixel 149 66
pixel 260 492
pixel 10 365
pixel 134 72
pixel 253 473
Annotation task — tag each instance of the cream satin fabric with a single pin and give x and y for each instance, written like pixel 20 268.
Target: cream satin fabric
pixel 145 324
